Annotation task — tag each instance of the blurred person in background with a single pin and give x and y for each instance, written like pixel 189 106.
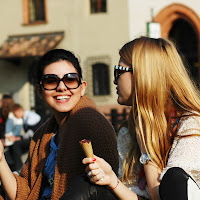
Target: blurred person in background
pixel 20 127
pixel 6 104
pixel 13 127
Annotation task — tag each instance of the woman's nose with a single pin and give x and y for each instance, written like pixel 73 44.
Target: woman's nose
pixel 61 86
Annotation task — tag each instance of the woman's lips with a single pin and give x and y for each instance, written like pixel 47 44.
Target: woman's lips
pixel 117 91
pixel 62 98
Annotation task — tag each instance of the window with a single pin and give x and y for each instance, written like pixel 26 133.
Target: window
pixel 100 79
pixel 34 11
pixel 98 6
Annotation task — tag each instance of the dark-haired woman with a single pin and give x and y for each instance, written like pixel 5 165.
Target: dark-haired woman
pixel 55 155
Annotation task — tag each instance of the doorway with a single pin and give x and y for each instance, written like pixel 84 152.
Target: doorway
pixel 186 40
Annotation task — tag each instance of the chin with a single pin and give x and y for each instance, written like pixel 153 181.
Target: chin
pixel 61 109
pixel 124 102
pixel 120 101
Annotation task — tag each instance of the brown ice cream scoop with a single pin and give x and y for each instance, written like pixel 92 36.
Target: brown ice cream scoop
pixel 87 148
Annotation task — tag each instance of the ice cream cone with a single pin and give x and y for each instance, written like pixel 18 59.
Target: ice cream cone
pixel 87 148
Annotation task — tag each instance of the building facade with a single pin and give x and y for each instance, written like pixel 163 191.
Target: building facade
pixel 94 30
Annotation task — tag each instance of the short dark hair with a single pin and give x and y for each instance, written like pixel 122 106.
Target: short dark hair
pixel 16 107
pixel 54 56
pixel 6 96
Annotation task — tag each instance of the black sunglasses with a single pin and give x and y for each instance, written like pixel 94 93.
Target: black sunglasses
pixel 118 70
pixel 51 81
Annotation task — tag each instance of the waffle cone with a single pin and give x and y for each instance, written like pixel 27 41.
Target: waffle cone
pixel 87 148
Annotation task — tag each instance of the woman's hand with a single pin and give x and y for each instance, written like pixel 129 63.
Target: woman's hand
pixel 100 172
pixel 95 166
pixel 14 138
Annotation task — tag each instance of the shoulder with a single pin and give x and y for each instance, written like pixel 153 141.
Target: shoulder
pixel 84 102
pixel 29 113
pixel 123 134
pixel 31 117
pixel 87 111
pixel 123 140
pixel 189 124
pixel 11 115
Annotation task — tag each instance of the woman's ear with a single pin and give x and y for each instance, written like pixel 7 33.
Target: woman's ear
pixel 39 90
pixel 83 87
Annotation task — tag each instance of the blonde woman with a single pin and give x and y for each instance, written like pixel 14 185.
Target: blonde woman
pixel 165 145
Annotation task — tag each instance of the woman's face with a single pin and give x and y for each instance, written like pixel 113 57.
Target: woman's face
pixel 62 99
pixel 124 85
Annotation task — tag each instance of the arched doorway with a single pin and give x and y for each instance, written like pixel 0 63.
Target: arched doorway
pixel 182 24
pixel 187 42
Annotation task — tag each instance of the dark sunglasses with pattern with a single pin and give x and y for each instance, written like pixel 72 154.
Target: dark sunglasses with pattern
pixel 118 70
pixel 51 81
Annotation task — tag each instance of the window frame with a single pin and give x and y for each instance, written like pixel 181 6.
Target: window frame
pixel 27 11
pixel 98 8
pixel 105 81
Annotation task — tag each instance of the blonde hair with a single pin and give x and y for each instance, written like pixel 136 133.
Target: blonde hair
pixel 160 77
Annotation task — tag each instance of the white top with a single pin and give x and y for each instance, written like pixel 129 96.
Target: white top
pixel 31 118
pixel 13 127
pixel 185 152
pixel 123 146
